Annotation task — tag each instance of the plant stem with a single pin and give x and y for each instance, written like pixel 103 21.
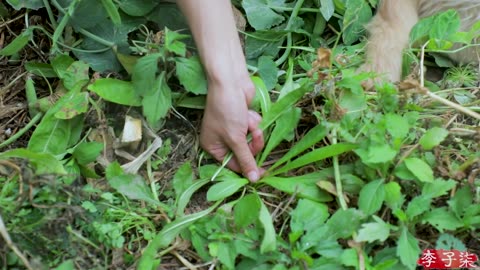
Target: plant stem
pixel 336 171
pixel 22 131
pixel 286 53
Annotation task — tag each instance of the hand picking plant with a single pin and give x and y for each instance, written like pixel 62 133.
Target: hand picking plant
pixel 355 179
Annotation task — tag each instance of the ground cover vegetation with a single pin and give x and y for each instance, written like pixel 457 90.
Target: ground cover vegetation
pixel 356 179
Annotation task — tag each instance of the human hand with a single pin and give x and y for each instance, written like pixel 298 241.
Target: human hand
pixel 226 123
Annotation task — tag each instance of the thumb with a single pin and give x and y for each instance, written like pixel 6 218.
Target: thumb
pixel 246 160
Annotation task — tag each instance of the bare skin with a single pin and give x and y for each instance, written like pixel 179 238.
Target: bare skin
pixel 227 119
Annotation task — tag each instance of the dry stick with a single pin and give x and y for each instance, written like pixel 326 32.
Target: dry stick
pixel 438 98
pixel 11 245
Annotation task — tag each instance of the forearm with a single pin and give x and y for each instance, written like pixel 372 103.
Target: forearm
pixel 213 27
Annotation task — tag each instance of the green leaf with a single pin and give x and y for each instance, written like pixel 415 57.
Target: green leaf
pixel 343 223
pixel 373 231
pixel 75 76
pixel 420 169
pixel 43 163
pixel 317 155
pixel 173 43
pixel 61 63
pixel 55 135
pixel 191 75
pixel 448 242
pixel 157 102
pixel 77 105
pixel 371 197
pixel 18 43
pixel 397 125
pixel 246 210
pixel 184 198
pixel 284 127
pixel 223 189
pixel 269 241
pixel 442 219
pixel 433 137
pixel 302 186
pixel 327 8
pixel 226 254
pixel 462 199
pixel 260 15
pixel 393 195
pixel 144 73
pixel 437 188
pixel 133 187
pixel 112 11
pixel 279 107
pixel 66 265
pixel 137 8
pixel 377 154
pixel 182 179
pixel 268 71
pixel 167 235
pixel 357 14
pixel 407 249
pixel 87 152
pixel 116 91
pixel 30 4
pixel 261 96
pixel 418 206
pixel 315 135
pixel 41 69
pixel 308 216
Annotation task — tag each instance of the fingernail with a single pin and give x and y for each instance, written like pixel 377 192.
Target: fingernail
pixel 253 176
pixel 255 115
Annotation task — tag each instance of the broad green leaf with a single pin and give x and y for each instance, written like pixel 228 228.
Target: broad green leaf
pixel 261 96
pixel 393 195
pixel 302 186
pixel 112 11
pixel 260 15
pixel 279 107
pixel 144 73
pixel 462 199
pixel 184 198
pixel 246 210
pixel 315 135
pixel 343 223
pixel 173 43
pixel 167 235
pixel 433 137
pixel 442 219
pixel 182 179
pixel 61 63
pixel 43 163
pixel 223 189
pixel 308 215
pixel 30 4
pixel 133 187
pixel 75 76
pixel 264 43
pixel 137 7
pixel 373 231
pixel 327 8
pixel 377 154
pixel 437 188
pixel 357 14
pixel 284 127
pixel 407 249
pixel 157 102
pixel 371 197
pixel 317 155
pixel 191 75
pixel 444 26
pixel 396 125
pixel 268 71
pixel 269 241
pixel 227 254
pixel 85 14
pixel 197 102
pixel 87 152
pixel 18 43
pixel 66 265
pixel 116 91
pixel 74 107
pixel 41 69
pixel 420 169
pixel 55 135
pixel 417 206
